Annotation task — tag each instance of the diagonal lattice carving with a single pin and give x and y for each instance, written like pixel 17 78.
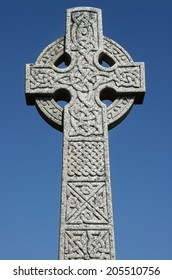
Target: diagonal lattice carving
pixel 86 203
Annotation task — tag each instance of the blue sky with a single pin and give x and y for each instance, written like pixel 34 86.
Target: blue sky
pixel 140 147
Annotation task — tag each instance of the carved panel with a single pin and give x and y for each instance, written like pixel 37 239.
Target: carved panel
pixel 87 244
pixel 85 119
pixel 86 203
pixel 83 30
pixel 86 159
pixel 42 78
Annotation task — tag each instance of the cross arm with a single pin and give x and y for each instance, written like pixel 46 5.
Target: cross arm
pixel 130 81
pixel 39 82
pixel 124 85
pixel 126 79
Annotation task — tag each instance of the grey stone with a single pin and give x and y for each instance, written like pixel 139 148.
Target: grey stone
pixel 86 230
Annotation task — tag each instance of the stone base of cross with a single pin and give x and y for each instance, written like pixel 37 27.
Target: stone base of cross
pixel 86 229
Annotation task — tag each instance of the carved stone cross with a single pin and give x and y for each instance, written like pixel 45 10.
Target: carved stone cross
pixel 86 230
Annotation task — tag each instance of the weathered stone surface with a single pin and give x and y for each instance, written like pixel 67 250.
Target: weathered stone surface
pixel 86 230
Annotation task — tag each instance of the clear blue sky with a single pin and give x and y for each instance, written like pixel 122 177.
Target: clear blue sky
pixel 140 147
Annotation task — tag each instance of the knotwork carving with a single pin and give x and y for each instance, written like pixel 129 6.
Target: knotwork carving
pixel 83 30
pixel 87 244
pixel 86 203
pixel 85 119
pixel 86 159
pixel 85 77
pixel 42 78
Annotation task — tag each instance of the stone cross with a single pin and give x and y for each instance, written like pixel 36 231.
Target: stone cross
pixel 86 229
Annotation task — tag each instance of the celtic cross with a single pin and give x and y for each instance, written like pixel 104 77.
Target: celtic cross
pixel 86 229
